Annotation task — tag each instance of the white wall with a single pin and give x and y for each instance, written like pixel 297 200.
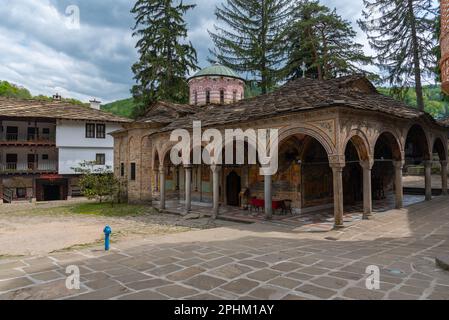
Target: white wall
pixel 73 134
pixel 71 157
pixel 24 125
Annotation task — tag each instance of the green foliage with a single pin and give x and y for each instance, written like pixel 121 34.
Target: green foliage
pixel 124 108
pixel 102 209
pixel 434 100
pixel 252 38
pixel 13 91
pixel 98 182
pixel 165 58
pixel 402 35
pixel 324 42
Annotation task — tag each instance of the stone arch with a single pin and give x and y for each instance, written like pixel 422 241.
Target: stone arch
pixel 417 143
pixel 311 131
pixel 361 144
pixel 393 142
pixel 439 147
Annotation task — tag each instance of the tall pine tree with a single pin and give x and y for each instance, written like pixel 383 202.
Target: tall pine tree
pixel 324 41
pixel 165 56
pixel 401 33
pixel 251 38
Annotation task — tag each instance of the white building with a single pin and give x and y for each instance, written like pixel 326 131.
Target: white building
pixel 41 143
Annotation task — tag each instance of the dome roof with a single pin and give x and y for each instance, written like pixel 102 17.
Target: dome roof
pixel 217 70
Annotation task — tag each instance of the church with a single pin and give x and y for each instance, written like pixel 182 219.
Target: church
pixel 342 143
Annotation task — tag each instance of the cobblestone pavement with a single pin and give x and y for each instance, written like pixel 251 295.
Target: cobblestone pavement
pixel 259 261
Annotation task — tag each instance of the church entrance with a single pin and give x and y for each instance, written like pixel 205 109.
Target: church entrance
pixel 233 188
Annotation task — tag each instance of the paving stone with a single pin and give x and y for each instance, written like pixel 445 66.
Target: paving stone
pixel 190 262
pixel 103 294
pixel 100 284
pixel 363 294
pixel 412 290
pixel 293 297
pixel 147 284
pixel 165 270
pixel 254 263
pixel 299 276
pixel 185 274
pixel 120 272
pixel 205 282
pixel 240 286
pixel 216 263
pixel 264 275
pixel 177 291
pixel 10 274
pixel 231 271
pixel 165 261
pixel 285 282
pixel 204 297
pixel 47 291
pixel 320 293
pixel 330 282
pixel 395 295
pixel 94 276
pixel 47 276
pixel 128 278
pixel 6 285
pixel 286 266
pixel 268 293
pixel 143 295
pixel 347 275
pixel 313 271
pixel 39 268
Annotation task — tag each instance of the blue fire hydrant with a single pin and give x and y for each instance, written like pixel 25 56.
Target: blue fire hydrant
pixel 107 234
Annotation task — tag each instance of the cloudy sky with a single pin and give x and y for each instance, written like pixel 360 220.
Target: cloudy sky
pixel 40 49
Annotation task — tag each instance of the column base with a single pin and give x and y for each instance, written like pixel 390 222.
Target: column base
pixel 338 226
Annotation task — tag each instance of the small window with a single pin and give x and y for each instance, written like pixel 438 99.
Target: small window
pixel 234 96
pixel 195 94
pixel 90 131
pixel 21 193
pixel 122 169
pixel 45 131
pixel 222 96
pixel 100 159
pixel 133 171
pixel 101 131
pixel 45 157
pixel 208 97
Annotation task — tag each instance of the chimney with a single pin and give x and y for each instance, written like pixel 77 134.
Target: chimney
pixel 57 97
pixel 94 104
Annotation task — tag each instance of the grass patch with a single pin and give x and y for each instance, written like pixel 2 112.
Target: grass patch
pixel 106 209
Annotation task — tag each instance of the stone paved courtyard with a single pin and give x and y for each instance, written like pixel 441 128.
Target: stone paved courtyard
pixel 258 261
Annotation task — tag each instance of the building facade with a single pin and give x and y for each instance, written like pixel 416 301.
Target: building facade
pixel 340 143
pixel 41 143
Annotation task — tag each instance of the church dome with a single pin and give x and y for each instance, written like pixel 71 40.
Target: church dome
pixel 218 71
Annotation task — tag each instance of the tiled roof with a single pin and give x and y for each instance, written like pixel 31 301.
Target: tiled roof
pixel 10 107
pixel 163 112
pixel 217 70
pixel 302 95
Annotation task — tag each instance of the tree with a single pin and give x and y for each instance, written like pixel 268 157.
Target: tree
pixel 165 58
pixel 324 42
pixel 251 38
pixel 98 182
pixel 401 33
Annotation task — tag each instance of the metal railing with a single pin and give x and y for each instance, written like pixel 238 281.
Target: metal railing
pixel 20 167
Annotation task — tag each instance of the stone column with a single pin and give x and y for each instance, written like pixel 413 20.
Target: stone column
pixel 367 193
pixel 428 179
pixel 444 177
pixel 337 170
pixel 216 189
pixel 156 180
pixel 188 186
pixel 162 187
pixel 268 197
pixel 398 186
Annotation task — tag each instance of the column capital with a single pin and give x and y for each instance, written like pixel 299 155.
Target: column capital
pixel 161 169
pixel 188 167
pixel 215 167
pixel 367 164
pixel 443 162
pixel 399 164
pixel 427 163
pixel 337 166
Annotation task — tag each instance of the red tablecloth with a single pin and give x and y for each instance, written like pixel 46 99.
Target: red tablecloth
pixel 260 203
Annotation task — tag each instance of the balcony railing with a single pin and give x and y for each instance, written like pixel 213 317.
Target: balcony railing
pixel 28 167
pixel 27 138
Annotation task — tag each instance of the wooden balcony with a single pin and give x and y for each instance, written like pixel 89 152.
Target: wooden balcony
pixel 12 168
pixel 15 139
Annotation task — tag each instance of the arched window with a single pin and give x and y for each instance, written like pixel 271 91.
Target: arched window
pixel 195 94
pixel 234 96
pixel 208 96
pixel 222 96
